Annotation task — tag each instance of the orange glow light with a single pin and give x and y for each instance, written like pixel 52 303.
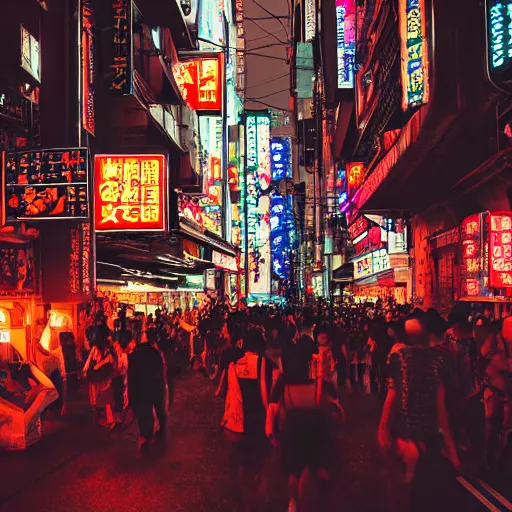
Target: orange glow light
pixel 129 192
pixel 200 82
pixel 355 174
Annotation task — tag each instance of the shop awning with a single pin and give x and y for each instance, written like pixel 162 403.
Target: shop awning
pixel 123 261
pixel 344 274
pixel 205 237
pixel 385 278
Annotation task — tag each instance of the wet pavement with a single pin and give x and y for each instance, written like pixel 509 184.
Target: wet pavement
pixel 79 468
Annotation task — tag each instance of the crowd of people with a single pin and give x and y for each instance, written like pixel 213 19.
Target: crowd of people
pixel 282 372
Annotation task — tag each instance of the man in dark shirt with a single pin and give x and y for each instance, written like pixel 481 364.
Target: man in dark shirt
pixel 146 390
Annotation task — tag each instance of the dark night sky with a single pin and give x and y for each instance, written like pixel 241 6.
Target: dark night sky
pixel 266 76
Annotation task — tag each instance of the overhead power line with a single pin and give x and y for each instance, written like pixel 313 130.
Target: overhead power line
pixel 269 80
pixel 262 37
pixel 269 33
pixel 270 106
pixel 269 94
pixel 266 46
pixel 253 18
pixel 273 16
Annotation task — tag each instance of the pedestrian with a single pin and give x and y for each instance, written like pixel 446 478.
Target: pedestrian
pixel 245 415
pixel 99 371
pixel 147 392
pixel 414 424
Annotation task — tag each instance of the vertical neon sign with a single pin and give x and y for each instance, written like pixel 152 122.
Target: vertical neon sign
pixel 258 177
pixel 414 53
pixel 345 42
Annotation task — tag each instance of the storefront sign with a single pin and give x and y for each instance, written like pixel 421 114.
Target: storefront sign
pixel 363 266
pixel 414 53
pixel 310 9
pixel 200 82
pixel 17 269
pixel 224 261
pixel 355 173
pixel 80 260
pixel 281 158
pixel 129 192
pixel 499 34
pixel 381 261
pixel 88 70
pixel 500 249
pixel 30 54
pixel 10 106
pixel 47 184
pixel 345 42
pixel 122 65
pixel 202 211
pixel 399 260
pixel 258 178
pixel 358 227
pixel 471 268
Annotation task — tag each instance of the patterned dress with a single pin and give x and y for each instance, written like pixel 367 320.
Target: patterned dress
pixel 415 373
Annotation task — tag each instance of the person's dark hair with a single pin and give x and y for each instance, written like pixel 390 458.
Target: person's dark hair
pixel 308 318
pixel 237 325
pixel 435 323
pixel 254 340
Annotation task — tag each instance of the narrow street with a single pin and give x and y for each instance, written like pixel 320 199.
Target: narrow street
pixel 80 468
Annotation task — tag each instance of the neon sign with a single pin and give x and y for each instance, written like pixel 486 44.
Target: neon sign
pixel 499 23
pixel 280 158
pixel 500 249
pixel 47 184
pixel 258 178
pixel 414 53
pixel 88 70
pixel 129 192
pixel 355 173
pixel 200 82
pixel 345 42
pixel 123 46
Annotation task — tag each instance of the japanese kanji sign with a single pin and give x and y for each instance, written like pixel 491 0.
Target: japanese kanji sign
pixel 122 64
pixel 200 82
pixel 129 192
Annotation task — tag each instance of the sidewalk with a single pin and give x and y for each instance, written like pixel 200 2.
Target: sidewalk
pixel 62 440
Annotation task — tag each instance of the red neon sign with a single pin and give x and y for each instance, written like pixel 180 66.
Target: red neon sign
pixel 500 249
pixel 129 192
pixel 355 174
pixel 200 82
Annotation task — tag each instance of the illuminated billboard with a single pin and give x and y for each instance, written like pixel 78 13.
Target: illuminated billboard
pixel 281 158
pixel 46 184
pixel 129 192
pixel 258 178
pixel 345 42
pixel 30 54
pixel 355 174
pixel 413 53
pixel 88 70
pixel 499 37
pixel 122 30
pixel 500 249
pixel 200 82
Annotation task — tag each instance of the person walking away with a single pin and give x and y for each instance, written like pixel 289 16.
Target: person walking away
pixel 99 370
pixel 245 416
pixel 297 420
pixel 119 382
pixel 414 423
pixel 327 383
pixel 146 391
pixel 497 377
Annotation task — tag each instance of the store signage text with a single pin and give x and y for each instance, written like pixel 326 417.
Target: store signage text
pixel 122 65
pixel 47 184
pixel 280 156
pixel 500 32
pixel 88 70
pixel 414 53
pixel 30 54
pixel 500 249
pixel 200 82
pixel 345 42
pixel 129 192
pixel 310 9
